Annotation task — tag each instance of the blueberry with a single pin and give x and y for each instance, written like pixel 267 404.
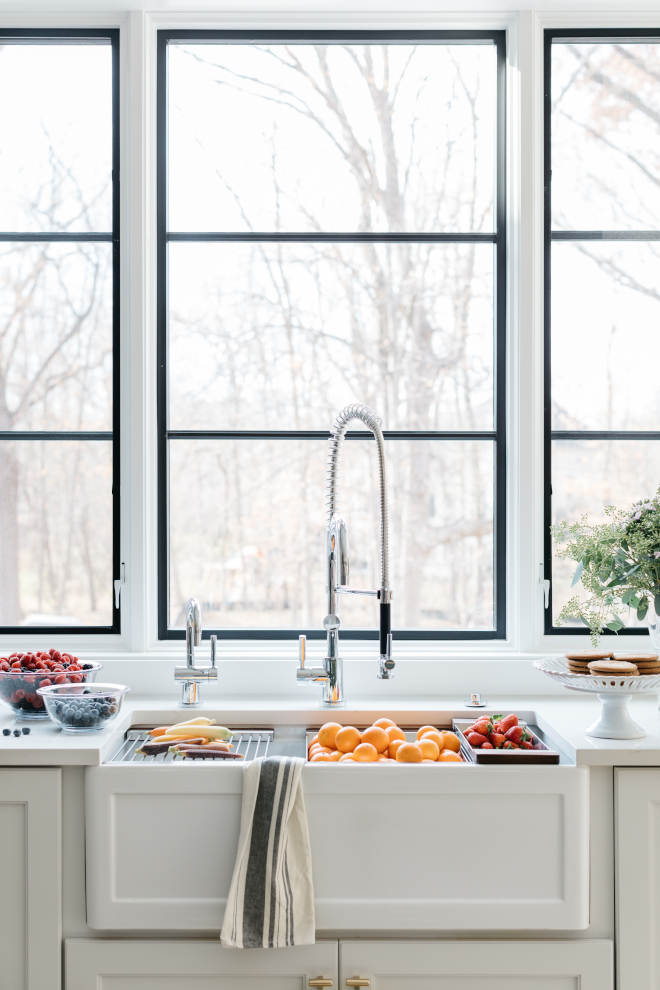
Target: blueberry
pixel 17 732
pixel 26 730
pixel 77 715
pixel 6 732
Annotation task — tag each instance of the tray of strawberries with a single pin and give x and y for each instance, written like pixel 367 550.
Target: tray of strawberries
pixel 502 739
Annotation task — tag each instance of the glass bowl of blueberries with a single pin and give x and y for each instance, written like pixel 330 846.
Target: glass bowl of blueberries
pixel 83 707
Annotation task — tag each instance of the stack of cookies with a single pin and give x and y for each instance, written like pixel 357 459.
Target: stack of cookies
pixel 578 662
pixel 621 668
pixel 646 663
pixel 606 662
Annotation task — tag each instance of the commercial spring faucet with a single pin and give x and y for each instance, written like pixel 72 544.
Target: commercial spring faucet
pixel 191 675
pixel 331 674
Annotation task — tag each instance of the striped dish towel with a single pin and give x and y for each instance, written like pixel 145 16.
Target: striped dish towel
pixel 271 897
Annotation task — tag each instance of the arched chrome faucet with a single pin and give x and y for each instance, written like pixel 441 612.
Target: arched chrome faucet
pixel 330 675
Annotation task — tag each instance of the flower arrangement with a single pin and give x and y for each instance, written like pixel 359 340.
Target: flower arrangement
pixel 618 563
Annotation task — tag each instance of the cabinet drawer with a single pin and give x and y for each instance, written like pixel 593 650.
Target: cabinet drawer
pixel 97 964
pixel 417 848
pixel 574 965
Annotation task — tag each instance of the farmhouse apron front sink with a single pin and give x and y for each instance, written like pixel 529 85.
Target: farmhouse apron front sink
pixel 453 847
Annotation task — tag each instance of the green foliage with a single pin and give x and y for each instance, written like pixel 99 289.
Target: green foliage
pixel 618 563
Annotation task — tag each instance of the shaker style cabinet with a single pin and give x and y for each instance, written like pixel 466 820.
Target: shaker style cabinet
pixel 637 831
pixel 31 902
pixel 196 965
pixel 552 965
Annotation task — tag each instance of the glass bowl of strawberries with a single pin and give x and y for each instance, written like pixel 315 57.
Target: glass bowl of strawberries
pixel 22 674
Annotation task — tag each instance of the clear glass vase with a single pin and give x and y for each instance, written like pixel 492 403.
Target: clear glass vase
pixel 654 627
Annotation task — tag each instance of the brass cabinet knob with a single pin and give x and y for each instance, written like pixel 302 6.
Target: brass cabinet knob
pixel 320 982
pixel 357 982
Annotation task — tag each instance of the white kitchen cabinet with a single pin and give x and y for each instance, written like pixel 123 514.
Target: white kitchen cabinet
pixel 31 902
pixel 438 965
pixel 373 869
pixel 96 964
pixel 637 831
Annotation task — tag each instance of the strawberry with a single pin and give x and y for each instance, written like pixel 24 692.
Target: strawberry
pixel 497 739
pixel 517 733
pixel 510 745
pixel 526 744
pixel 487 745
pixel 482 726
pixel 507 722
pixel 475 739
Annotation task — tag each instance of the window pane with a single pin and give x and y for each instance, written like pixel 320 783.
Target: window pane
pixel 605 336
pixel 587 475
pixel 281 336
pixel 605 136
pixel 247 532
pixel 331 137
pixel 55 137
pixel 56 533
pixel 55 336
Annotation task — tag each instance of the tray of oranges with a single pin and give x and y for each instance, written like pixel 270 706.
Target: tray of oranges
pixel 383 742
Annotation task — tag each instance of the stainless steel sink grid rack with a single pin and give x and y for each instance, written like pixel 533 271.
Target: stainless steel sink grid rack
pixel 250 742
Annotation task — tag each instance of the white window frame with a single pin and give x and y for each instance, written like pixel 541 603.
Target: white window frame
pixel 137 358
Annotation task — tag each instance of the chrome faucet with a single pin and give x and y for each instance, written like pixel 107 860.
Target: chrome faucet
pixel 331 674
pixel 190 674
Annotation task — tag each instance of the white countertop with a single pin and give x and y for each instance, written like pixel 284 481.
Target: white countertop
pixel 563 717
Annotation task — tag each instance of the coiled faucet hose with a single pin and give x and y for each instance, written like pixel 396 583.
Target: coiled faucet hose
pixel 373 422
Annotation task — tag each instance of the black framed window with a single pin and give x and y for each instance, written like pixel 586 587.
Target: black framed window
pixel 59 330
pixel 602 304
pixel 331 229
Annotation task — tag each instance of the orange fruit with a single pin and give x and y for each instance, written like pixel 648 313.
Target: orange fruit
pixel 377 737
pixel 451 741
pixel 321 758
pixel 394 732
pixel 393 746
pixel 314 740
pixel 420 732
pixel 328 734
pixel 429 747
pixel 448 756
pixel 435 736
pixel 409 753
pixel 384 723
pixel 335 756
pixel 428 761
pixel 347 739
pixel 346 758
pixel 365 753
pixel 319 749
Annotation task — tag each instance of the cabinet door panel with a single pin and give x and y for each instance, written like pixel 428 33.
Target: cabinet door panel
pixel 31 901
pixel 99 964
pixel 443 965
pixel 637 832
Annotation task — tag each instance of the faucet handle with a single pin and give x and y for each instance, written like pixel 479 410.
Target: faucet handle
pixel 302 650
pixel 214 641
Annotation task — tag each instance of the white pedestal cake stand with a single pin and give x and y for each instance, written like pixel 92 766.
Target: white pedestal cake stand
pixel 614 691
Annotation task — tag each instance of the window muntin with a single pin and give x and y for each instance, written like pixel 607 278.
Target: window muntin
pixel 602 307
pixel 255 358
pixel 59 286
